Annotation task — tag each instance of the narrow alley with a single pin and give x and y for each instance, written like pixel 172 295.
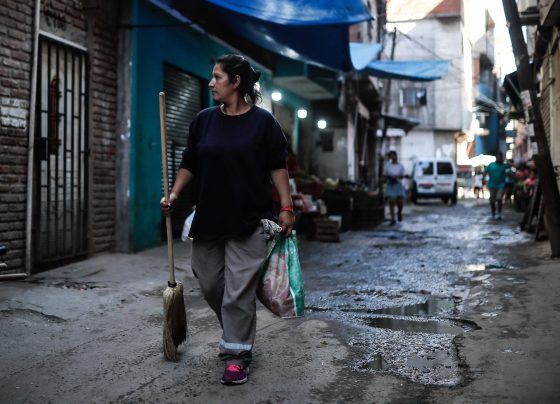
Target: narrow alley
pixel 413 147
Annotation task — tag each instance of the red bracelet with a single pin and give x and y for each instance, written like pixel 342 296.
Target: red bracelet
pixel 287 209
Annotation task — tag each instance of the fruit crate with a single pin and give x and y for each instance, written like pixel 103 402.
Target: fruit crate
pixel 326 230
pixel 367 212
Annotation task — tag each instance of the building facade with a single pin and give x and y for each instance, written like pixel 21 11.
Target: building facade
pixel 81 163
pixel 57 131
pixel 459 114
pixel 430 31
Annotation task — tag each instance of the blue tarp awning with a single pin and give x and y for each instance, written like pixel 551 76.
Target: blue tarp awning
pixel 414 70
pixel 363 53
pixel 299 12
pixel 309 31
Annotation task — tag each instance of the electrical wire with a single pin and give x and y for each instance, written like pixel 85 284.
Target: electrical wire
pixel 456 80
pixel 428 50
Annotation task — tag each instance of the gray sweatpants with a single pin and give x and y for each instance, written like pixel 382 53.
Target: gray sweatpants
pixel 228 273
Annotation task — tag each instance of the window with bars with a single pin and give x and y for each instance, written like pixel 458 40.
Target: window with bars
pixel 413 97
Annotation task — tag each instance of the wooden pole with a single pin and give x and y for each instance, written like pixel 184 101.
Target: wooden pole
pixel 543 161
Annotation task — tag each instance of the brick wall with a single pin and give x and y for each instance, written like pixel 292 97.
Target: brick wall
pixel 16 26
pixel 103 108
pixel 16 29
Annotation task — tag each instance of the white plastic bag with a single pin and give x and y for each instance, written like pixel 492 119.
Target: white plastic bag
pixel 187 227
pixel 281 285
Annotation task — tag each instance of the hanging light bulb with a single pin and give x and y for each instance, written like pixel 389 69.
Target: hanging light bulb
pixel 302 113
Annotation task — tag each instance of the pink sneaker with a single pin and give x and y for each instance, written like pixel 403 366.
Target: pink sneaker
pixel 234 374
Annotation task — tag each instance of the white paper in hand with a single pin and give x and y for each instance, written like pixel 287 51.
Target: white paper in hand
pixel 187 227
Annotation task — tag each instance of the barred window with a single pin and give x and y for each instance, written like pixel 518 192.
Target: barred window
pixel 413 97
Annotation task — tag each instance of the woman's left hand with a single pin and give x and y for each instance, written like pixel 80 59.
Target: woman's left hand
pixel 286 221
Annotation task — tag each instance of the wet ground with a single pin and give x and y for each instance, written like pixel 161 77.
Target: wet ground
pixel 443 307
pixel 400 291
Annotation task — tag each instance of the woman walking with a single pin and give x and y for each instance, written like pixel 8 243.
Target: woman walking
pixel 236 151
pixel 394 190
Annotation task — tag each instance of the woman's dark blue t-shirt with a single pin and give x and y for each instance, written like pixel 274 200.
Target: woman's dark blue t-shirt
pixel 231 158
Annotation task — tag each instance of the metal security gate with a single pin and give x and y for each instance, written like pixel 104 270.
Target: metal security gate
pixel 184 100
pixel 61 155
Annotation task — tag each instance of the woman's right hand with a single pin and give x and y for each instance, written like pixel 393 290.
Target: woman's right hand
pixel 166 205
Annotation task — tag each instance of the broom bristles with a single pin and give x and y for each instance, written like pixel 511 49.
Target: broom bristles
pixel 174 320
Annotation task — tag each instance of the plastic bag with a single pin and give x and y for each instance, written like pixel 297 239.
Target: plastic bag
pixel 187 227
pixel 281 285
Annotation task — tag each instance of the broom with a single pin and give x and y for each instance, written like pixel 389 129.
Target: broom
pixel 174 315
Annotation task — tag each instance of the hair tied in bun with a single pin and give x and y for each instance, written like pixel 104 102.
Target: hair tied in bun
pixel 237 65
pixel 256 75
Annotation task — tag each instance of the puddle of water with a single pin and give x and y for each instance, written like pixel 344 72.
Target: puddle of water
pixel 440 359
pixel 474 268
pixel 504 236
pixel 431 307
pixel 430 327
pixel 497 266
pixel 375 363
pixel 482 267
pixel 491 314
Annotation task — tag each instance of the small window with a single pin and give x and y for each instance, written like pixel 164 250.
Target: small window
pixel 413 97
pixel 444 168
pixel 425 168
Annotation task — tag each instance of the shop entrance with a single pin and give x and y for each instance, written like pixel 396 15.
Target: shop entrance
pixel 184 99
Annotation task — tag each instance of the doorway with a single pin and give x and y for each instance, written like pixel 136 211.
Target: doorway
pixel 61 160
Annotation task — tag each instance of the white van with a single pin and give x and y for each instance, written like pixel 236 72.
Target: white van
pixel 434 178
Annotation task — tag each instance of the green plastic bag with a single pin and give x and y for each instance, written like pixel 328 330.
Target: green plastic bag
pixel 281 285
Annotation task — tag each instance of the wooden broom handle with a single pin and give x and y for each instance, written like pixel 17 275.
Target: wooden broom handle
pixel 163 127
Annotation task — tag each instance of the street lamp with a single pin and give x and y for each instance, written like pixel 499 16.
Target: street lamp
pixel 302 113
pixel 321 124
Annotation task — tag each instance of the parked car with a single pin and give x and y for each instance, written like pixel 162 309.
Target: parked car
pixel 434 178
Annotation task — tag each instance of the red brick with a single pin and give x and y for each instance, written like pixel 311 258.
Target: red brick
pixel 9 83
pixel 21 56
pixel 18 35
pixel 20 17
pixel 8 22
